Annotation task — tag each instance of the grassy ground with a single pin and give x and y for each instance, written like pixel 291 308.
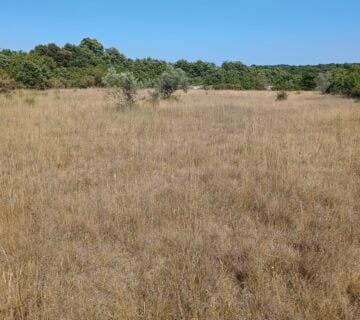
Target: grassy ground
pixel 222 205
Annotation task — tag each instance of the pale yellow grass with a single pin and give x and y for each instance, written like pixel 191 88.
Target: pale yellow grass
pixel 222 205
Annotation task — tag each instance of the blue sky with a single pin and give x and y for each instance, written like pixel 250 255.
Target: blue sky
pixel 254 32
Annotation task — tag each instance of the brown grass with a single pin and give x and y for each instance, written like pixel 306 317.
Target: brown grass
pixel 222 205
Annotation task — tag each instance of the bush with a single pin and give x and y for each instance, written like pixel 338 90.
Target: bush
pixel 355 92
pixel 6 84
pixel 56 83
pixel 30 75
pixel 285 80
pixel 281 95
pixel 346 82
pixel 171 80
pixel 323 82
pixel 123 87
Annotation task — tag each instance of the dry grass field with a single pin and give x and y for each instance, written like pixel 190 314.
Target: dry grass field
pixel 218 205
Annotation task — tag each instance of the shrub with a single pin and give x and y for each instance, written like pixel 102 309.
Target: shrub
pixel 281 95
pixel 284 80
pixel 323 82
pixel 123 87
pixel 355 92
pixel 56 83
pixel 171 80
pixel 6 84
pixel 346 82
pixel 31 74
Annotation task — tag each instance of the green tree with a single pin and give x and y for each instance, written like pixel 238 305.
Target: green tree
pixel 4 61
pixel 32 71
pixel 308 81
pixel 114 57
pixel 285 80
pixel 346 81
pixel 148 70
pixel 92 45
pixel 171 80
pixel 123 87
pixel 61 56
pixel 30 74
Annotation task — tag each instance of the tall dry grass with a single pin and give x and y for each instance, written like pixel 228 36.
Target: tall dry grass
pixel 222 205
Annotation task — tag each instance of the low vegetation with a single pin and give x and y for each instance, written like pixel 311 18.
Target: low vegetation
pixel 220 205
pixel 123 88
pixel 281 95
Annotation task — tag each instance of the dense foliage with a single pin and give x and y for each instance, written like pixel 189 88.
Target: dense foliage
pixel 85 65
pixel 346 81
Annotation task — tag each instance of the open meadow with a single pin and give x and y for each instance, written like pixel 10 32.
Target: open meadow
pixel 215 205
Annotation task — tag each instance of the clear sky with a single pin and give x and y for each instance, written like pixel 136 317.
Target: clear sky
pixel 254 32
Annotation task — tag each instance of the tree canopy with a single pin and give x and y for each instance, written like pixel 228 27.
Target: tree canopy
pixel 84 65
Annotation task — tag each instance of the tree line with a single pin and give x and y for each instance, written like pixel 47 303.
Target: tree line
pixel 86 64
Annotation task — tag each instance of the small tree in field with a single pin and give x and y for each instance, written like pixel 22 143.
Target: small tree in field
pixel 171 80
pixel 323 82
pixel 123 87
